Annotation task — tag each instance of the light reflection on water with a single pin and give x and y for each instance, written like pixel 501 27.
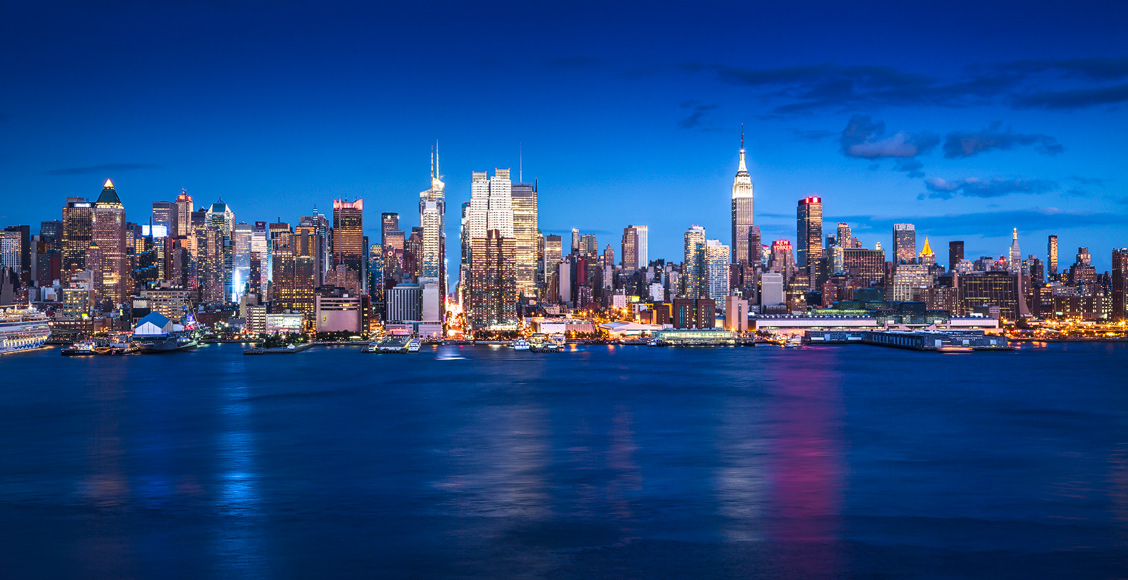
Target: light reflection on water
pixel 730 461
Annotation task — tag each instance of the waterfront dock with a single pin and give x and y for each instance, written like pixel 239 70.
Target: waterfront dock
pixel 922 340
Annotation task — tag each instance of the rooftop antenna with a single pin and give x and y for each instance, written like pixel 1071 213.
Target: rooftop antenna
pixel 437 174
pixel 432 162
pixel 520 163
pixel 742 136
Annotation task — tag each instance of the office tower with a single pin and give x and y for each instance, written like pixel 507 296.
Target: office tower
pixel 493 282
pixel 589 247
pixel 492 292
pixel 348 236
pixel 241 259
pixel 464 258
pixel 78 223
pixel 1014 256
pixel 843 236
pixel 294 273
pixel 904 243
pixel 926 255
pixel 218 253
pixel 741 209
pixel 525 234
pixel 755 246
pixel 184 211
pixel 318 225
pixel 691 266
pixel 608 257
pixel 715 266
pixel 108 232
pixel 991 289
pixel 388 222
pixel 906 278
pixel 413 255
pixel 1052 258
pixel 51 233
pixel 575 240
pixel 1120 284
pixel 836 256
pixel 432 218
pixel 550 266
pixel 23 263
pixel 782 260
pixel 10 250
pixel 394 263
pixel 165 214
pixel 630 249
pixel 808 220
pixel 643 245
pixel 260 244
pixel 955 254
pixel 772 296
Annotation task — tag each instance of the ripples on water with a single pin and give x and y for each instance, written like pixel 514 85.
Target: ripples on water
pixel 607 461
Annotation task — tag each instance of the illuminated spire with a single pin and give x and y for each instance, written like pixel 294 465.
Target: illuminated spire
pixel 927 251
pixel 1015 235
pixel 108 184
pixel 743 168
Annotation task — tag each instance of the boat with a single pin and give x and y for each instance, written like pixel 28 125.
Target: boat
pixel 653 342
pixel 388 344
pixel 22 329
pixel 520 344
pixel 544 346
pixel 793 341
pixel 82 348
pixel 414 345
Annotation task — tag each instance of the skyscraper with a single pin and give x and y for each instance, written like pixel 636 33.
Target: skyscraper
pixel 715 266
pixel 78 223
pixel 843 237
pixel 241 259
pixel 808 220
pixel 1014 256
pixel 492 291
pixel 782 260
pixel 165 214
pixel 741 208
pixel 348 236
pixel 432 218
pixel 643 245
pixel 218 253
pixel 1120 284
pixel 955 254
pixel 904 243
pixel 630 249
pixel 108 232
pixel 575 240
pixel 183 214
pixel 525 233
pixel 692 271
pixel 1052 258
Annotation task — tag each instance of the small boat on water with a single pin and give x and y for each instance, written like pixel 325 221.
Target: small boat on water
pixel 82 348
pixel 520 344
pixel 793 341
pixel 414 345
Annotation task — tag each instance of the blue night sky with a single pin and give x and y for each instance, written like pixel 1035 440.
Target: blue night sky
pixel 964 119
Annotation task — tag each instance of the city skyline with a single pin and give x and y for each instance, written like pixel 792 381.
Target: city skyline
pixel 1019 132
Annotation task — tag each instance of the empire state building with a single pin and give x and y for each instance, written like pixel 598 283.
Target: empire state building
pixel 741 209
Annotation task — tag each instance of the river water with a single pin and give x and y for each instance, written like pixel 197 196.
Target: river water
pixel 623 462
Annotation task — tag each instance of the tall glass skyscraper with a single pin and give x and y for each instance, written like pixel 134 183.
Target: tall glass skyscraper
pixel 348 237
pixel 808 219
pixel 904 243
pixel 526 233
pixel 108 232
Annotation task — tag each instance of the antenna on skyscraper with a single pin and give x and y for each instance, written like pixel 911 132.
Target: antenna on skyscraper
pixel 437 174
pixel 520 163
pixel 432 162
pixel 742 136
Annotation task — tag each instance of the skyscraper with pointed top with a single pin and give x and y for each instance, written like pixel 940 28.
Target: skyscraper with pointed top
pixel 432 218
pixel 741 208
pixel 108 233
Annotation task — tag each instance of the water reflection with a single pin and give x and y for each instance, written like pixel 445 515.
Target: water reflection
pixel 805 456
pixel 106 486
pixel 240 543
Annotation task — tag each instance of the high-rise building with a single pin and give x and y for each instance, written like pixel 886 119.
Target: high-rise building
pixel 904 243
pixel 755 246
pixel 51 234
pixel 643 245
pixel 575 240
pixel 630 249
pixel 715 266
pixel 294 274
pixel 741 209
pixel 24 253
pixel 926 255
pixel 1120 284
pixel 692 271
pixel 165 215
pixel 955 254
pixel 808 221
pixel 108 232
pixel 906 279
pixel 78 223
pixel 843 236
pixel 217 248
pixel 782 260
pixel 348 236
pixel 241 259
pixel 432 218
pixel 492 294
pixel 1052 257
pixel 589 247
pixel 525 233
pixel 183 214
pixel 1014 256
pixel 492 290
